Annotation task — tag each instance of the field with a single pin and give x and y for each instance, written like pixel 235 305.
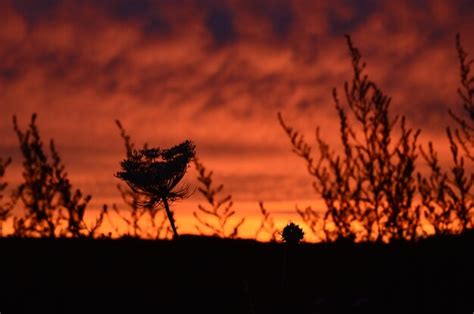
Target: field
pixel 209 275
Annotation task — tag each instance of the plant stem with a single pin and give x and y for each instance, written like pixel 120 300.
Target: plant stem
pixel 170 217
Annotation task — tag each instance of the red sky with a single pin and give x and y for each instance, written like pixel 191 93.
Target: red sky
pixel 217 72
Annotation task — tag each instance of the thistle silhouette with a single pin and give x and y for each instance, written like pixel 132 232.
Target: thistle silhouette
pixel 155 173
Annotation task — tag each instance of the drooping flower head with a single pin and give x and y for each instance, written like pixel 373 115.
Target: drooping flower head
pixel 156 172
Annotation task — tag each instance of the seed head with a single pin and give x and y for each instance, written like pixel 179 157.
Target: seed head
pixel 292 234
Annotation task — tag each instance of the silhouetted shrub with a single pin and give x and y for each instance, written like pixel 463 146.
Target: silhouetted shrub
pixel 5 206
pixel 438 210
pixel 52 208
pixel 215 218
pixel 267 224
pixel 314 220
pixel 156 173
pixel 465 135
pixel 369 188
pixel 448 196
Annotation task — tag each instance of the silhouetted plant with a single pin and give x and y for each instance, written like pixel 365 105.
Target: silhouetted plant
pixel 369 188
pixel 313 220
pixel 462 180
pixel 5 207
pixel 72 201
pixel 92 231
pixel 156 173
pixel 215 218
pixel 38 190
pixel 437 207
pixel 292 234
pixel 465 135
pixel 448 196
pixel 52 208
pixel 133 200
pixel 267 224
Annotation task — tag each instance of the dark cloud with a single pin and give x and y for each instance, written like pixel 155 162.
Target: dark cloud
pixel 220 23
pixel 347 17
pixel 279 15
pixel 36 11
pixel 282 21
pixel 156 26
pixel 9 74
pixel 129 9
pixel 148 14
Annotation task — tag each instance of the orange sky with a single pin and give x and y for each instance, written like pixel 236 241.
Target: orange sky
pixel 217 72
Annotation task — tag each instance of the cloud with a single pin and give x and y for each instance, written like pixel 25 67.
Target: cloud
pixel 217 72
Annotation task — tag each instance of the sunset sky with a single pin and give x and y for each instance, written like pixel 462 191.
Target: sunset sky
pixel 217 72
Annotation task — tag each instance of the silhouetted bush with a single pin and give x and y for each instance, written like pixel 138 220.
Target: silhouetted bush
pixel 465 135
pixel 314 221
pixel 448 196
pixel 267 224
pixel 156 173
pixel 215 218
pixel 369 188
pixel 5 206
pixel 52 207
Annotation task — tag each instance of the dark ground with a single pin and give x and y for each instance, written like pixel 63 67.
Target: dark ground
pixel 206 275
